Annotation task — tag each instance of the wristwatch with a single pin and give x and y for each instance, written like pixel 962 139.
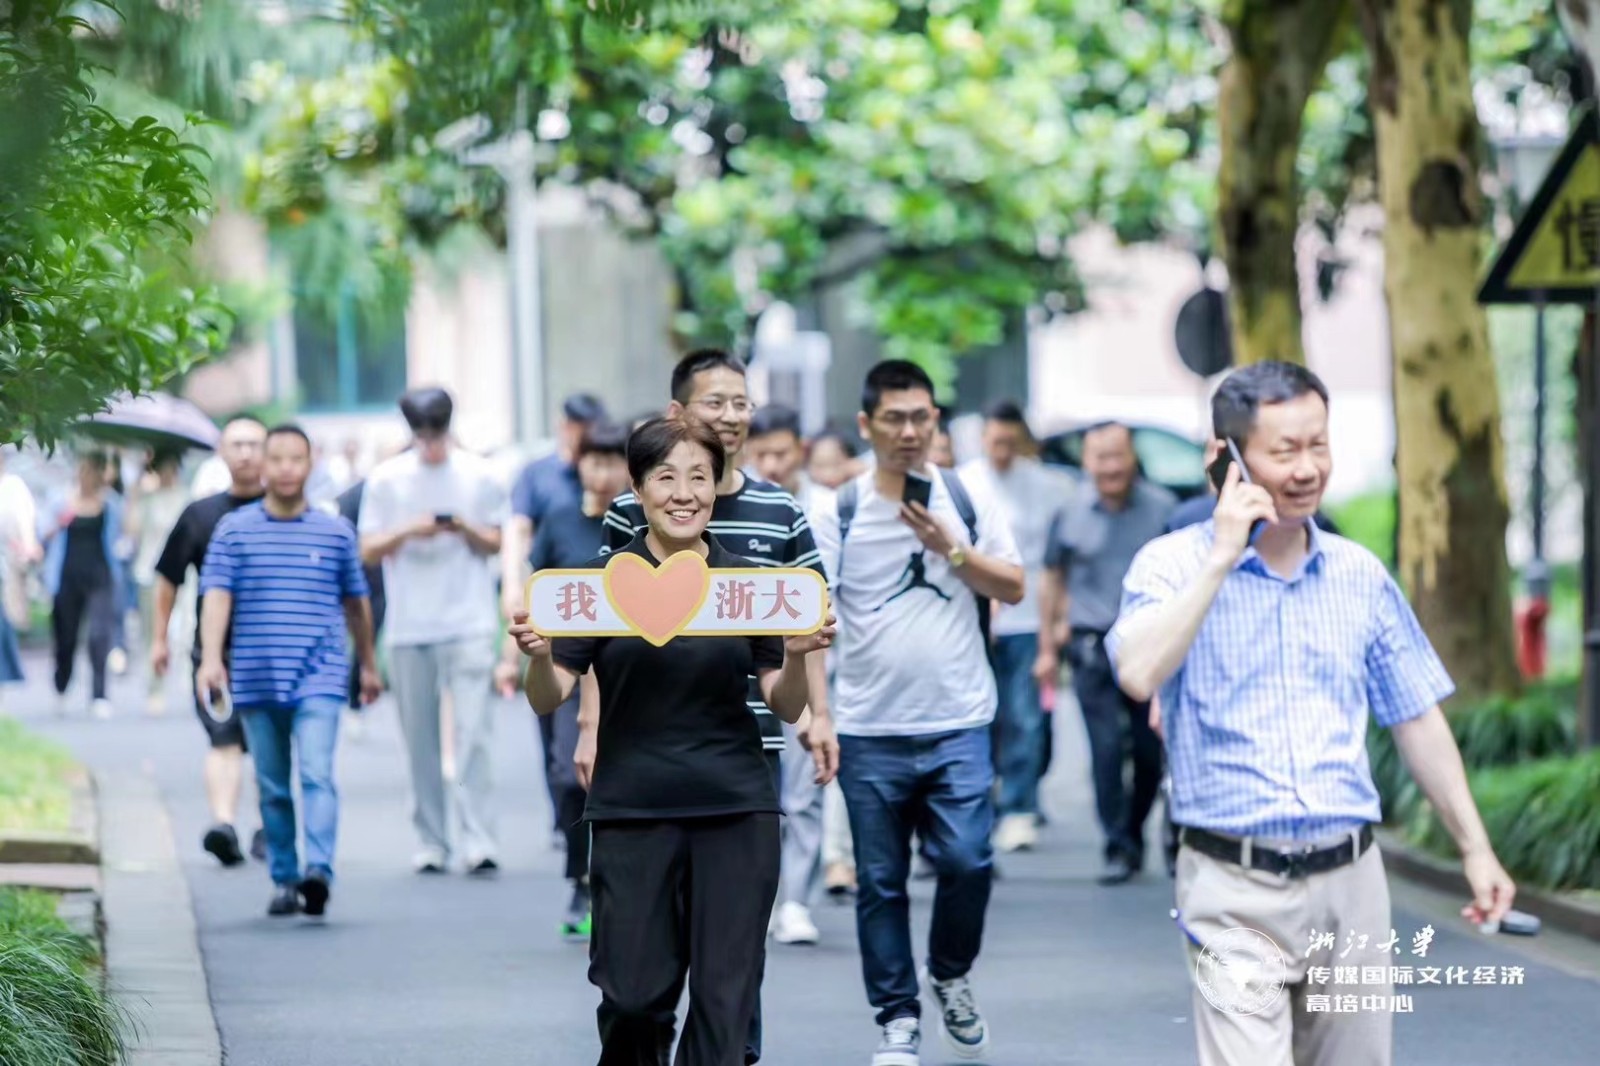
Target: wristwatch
pixel 957 556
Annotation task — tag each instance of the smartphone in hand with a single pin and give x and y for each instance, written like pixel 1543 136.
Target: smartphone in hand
pixel 919 489
pixel 1218 472
pixel 444 519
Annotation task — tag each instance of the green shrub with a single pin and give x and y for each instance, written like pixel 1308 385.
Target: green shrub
pixel 1543 817
pixel 53 1011
pixel 1499 731
pixel 1369 520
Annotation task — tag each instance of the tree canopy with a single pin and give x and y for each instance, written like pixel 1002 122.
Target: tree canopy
pixel 96 293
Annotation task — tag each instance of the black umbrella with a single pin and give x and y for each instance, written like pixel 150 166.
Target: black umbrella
pixel 155 420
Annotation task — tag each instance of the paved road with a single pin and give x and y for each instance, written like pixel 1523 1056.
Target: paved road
pixel 415 972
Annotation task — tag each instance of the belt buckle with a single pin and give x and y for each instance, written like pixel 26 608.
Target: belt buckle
pixel 1297 863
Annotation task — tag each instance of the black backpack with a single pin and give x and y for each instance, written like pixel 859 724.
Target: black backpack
pixel 969 516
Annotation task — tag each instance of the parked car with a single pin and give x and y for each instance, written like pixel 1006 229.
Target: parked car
pixel 1167 458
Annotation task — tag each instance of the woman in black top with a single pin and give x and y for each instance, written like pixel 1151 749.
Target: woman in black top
pixel 684 812
pixel 80 562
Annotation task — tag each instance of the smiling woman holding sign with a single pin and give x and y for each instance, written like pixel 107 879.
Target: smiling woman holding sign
pixel 684 810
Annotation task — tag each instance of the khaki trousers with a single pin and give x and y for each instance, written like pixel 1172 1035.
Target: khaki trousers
pixel 1215 896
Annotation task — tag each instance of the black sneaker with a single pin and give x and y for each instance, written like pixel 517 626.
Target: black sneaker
pixel 285 902
pixel 314 892
pixel 223 842
pixel 258 846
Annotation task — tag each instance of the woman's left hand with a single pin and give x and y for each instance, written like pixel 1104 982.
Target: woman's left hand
pixel 810 642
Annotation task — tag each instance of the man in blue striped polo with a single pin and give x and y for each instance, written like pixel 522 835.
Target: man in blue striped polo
pixel 289 580
pixel 1270 642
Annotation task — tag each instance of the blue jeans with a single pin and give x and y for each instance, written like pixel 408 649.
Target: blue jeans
pixel 1021 723
pixel 312 726
pixel 938 786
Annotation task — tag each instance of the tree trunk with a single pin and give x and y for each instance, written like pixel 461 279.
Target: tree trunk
pixel 1280 48
pixel 1453 508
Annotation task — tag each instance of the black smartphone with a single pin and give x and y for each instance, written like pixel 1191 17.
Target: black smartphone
pixel 918 489
pixel 1218 472
pixel 443 519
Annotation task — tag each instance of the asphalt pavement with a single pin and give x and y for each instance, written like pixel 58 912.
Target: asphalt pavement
pixel 414 971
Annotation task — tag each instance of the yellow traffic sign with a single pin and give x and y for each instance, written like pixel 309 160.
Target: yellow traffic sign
pixel 1553 256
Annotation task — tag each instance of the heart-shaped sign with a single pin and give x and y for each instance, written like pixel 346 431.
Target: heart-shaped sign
pixel 657 601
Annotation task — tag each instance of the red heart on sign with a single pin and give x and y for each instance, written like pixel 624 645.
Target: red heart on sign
pixel 657 602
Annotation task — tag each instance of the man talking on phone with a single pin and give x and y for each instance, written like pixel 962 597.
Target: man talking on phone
pixel 432 516
pixel 1269 650
pixel 914 556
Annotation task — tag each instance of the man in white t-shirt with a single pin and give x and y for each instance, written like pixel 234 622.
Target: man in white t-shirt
pixel 1032 494
pixel 433 516
pixel 914 698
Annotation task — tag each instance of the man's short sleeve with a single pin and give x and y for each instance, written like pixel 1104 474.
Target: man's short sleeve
pixel 1152 580
pixel 1405 677
pixel 493 508
pixel 222 560
pixel 800 549
pixel 352 578
pixel 995 538
pixel 824 525
pixel 618 523
pixel 175 557
pixel 544 539
pixel 376 506
pixel 1057 548
pixel 522 492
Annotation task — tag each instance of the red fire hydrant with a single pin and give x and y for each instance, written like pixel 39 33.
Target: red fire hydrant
pixel 1530 618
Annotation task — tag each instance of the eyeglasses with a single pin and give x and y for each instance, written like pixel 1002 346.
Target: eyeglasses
pixel 715 405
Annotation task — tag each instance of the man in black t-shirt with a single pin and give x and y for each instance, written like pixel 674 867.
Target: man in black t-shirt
pixel 242 448
pixel 753 519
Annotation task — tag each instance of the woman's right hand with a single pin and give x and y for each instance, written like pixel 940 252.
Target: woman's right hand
pixel 531 644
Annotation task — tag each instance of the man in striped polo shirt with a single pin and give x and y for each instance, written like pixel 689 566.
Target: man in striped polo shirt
pixel 754 519
pixel 289 581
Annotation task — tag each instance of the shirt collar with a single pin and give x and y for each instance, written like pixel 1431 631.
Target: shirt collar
pixel 715 556
pixel 1251 559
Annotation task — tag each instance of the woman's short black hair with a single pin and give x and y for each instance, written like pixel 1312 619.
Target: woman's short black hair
pixel 651 443
pixel 604 438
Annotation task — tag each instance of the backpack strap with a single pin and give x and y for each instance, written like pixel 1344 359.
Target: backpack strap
pixel 963 502
pixel 847 514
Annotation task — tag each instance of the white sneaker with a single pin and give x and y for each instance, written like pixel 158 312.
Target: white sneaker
pixel 100 709
pixel 965 1032
pixel 900 1045
pixel 430 861
pixel 117 661
pixel 793 925
pixel 1017 832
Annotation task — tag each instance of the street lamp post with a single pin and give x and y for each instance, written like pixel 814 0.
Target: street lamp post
pixel 514 157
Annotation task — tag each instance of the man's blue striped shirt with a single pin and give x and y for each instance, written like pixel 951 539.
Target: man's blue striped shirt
pixel 289 579
pixel 1266 719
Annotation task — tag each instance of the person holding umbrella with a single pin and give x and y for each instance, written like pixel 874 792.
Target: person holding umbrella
pixel 683 807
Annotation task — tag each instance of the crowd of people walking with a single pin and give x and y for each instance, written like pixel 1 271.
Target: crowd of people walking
pixel 708 792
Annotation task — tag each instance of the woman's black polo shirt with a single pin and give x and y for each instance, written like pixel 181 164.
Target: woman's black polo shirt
pixel 676 739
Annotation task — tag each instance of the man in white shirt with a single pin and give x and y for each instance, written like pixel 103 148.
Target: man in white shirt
pixel 1031 494
pixel 915 698
pixel 433 515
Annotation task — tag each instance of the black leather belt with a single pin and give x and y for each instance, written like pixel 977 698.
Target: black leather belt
pixel 1293 863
